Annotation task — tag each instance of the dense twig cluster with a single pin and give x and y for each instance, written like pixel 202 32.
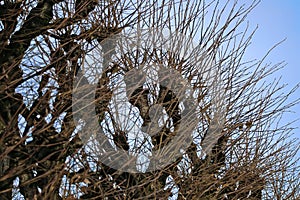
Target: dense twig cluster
pixel 45 45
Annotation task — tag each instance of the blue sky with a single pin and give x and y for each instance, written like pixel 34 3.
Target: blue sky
pixel 277 20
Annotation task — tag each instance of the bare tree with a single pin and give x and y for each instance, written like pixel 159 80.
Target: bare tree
pixel 159 69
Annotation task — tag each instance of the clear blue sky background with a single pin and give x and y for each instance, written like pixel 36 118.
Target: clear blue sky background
pixel 277 20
